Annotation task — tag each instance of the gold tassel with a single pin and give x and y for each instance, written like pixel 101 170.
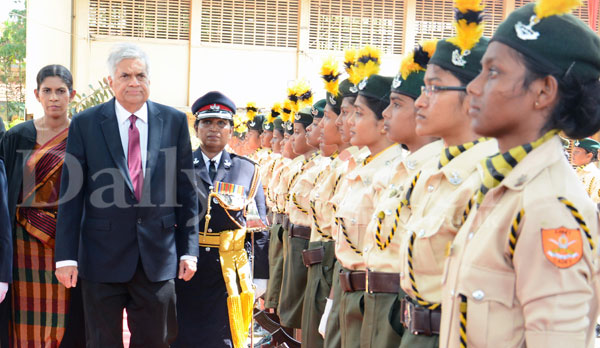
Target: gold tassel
pixel 547 8
pixel 239 333
pixel 247 302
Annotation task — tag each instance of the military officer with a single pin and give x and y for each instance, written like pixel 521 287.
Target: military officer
pixel 584 157
pixel 212 307
pixel 523 269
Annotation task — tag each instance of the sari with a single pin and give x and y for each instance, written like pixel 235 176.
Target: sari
pixel 39 302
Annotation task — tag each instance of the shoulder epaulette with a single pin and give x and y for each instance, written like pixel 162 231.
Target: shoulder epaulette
pixel 233 155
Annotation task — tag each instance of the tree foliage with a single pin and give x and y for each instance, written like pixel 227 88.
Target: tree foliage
pixel 12 64
pixel 97 96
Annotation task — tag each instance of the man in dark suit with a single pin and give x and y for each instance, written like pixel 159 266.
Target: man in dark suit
pixel 125 220
pixel 227 184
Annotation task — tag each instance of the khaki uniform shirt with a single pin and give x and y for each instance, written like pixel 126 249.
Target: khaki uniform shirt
pixel 318 197
pixel 385 259
pixel 546 295
pixel 281 166
pixel 287 175
pixel 356 208
pixel 298 204
pixel 438 202
pixel 590 177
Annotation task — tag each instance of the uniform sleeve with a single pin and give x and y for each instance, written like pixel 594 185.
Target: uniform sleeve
pixel 557 297
pixel 261 239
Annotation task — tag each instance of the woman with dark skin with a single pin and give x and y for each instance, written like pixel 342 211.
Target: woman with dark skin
pixel 527 250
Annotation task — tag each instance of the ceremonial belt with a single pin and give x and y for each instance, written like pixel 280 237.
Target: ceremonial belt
pixel 299 231
pixel 418 319
pixel 351 281
pixel 385 282
pixel 313 256
pixel 278 218
pixel 234 264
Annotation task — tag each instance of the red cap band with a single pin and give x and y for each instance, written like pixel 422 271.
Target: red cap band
pixel 214 107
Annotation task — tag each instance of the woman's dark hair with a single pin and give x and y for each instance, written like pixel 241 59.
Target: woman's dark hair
pixel 55 70
pixel 594 153
pixel 350 99
pixel 577 112
pixel 377 105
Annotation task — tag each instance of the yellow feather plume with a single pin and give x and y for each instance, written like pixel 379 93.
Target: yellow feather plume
pixel 251 110
pixel 429 47
pixel 467 34
pixel 547 8
pixel 368 61
pixel 408 65
pixel 275 111
pixel 350 57
pixel 466 5
pixel 331 75
pixel 300 95
pixel 286 111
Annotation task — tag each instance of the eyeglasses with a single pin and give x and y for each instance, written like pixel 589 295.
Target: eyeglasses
pixel 430 90
pixel 207 123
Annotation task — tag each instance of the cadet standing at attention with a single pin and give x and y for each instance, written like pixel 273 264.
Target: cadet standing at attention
pixel 384 232
pixel 442 188
pixel 584 157
pixel 523 269
pixel 356 208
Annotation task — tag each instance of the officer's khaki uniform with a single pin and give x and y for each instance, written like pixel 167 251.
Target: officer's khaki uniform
pixel 293 281
pixel 590 177
pixel 355 211
pixel 349 160
pixel 275 243
pixel 382 257
pixel 533 299
pixel 438 202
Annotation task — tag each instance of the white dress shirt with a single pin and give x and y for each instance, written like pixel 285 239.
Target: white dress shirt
pixel 217 159
pixel 142 125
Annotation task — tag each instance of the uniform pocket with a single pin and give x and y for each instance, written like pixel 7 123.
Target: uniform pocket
pixel 491 316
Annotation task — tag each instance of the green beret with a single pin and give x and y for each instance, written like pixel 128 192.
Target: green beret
pixel 289 127
pixel 278 124
pixel 411 86
pixel 588 144
pixel 256 123
pixel 376 86
pixel 318 108
pixel 267 126
pixel 467 66
pixel 347 89
pixel 335 102
pixel 560 43
pixel 304 116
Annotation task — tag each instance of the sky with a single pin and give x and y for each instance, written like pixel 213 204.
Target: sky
pixel 7 5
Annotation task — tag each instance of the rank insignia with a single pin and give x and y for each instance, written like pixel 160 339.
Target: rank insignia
pixel 562 246
pixel 196 161
pixel 227 164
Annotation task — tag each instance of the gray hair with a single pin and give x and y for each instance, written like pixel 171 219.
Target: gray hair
pixel 126 50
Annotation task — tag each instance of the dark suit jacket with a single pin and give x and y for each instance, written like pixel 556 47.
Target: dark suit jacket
pixel 101 225
pixel 6 247
pixel 240 171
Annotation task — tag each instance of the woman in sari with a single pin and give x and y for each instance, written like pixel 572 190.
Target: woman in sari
pixel 43 312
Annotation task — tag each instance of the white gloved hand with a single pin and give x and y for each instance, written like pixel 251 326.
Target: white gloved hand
pixel 324 317
pixel 260 287
pixel 3 290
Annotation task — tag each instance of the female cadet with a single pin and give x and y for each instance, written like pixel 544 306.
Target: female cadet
pixel 444 187
pixel 523 270
pixel 584 157
pixel 383 244
pixel 356 208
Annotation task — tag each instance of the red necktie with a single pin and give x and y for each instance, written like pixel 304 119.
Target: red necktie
pixel 134 158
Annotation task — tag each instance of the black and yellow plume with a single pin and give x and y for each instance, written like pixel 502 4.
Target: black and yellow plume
pixel 331 75
pixel 468 22
pixel 286 111
pixel 417 59
pixel 300 95
pixel 547 8
pixel 350 65
pixel 368 61
pixel 251 111
pixel 275 111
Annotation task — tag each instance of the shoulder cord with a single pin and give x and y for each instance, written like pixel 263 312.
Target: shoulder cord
pixel 420 300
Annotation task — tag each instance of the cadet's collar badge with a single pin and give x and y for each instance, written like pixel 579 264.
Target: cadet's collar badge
pixel 563 247
pixel 458 59
pixel 332 100
pixel 227 164
pixel 314 111
pixel 362 84
pixel 397 81
pixel 525 31
pixel 196 161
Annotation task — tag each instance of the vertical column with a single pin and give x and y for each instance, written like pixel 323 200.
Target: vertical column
pixel 303 38
pixel 80 46
pixel 410 25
